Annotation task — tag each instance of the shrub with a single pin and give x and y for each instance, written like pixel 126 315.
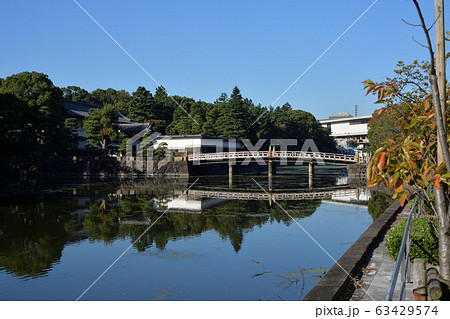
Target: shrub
pixel 425 242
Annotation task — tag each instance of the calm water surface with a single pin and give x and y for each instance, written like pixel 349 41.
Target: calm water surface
pixel 56 240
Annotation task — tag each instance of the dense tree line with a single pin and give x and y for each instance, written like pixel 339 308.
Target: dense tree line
pixel 33 119
pixel 230 117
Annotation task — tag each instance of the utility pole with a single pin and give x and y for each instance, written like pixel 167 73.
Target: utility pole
pixel 440 67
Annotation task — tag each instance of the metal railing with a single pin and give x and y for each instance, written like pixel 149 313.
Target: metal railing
pixel 403 262
pixel 275 154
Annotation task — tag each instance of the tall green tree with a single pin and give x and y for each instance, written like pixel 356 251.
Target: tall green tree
pixel 141 107
pixel 44 129
pixel 164 104
pixel 209 127
pixel 183 123
pixel 75 93
pixel 14 130
pixel 101 127
pixel 232 122
pixel 119 99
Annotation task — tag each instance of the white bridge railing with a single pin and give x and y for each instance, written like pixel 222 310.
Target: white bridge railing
pixel 299 155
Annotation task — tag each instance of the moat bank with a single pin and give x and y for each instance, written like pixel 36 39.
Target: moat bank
pixel 26 167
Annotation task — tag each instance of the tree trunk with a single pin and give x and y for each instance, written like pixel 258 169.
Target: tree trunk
pixel 444 235
pixel 442 208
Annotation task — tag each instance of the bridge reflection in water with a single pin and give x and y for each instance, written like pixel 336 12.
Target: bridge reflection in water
pixel 198 200
pixel 208 225
pixel 205 196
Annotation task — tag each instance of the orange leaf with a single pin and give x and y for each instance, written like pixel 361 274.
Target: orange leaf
pixel 403 199
pixel 381 94
pixel 382 161
pixel 381 111
pixel 371 88
pixel 436 182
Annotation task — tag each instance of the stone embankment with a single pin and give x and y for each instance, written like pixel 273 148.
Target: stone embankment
pixel 335 284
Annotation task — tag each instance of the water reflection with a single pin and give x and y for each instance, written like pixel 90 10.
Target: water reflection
pixel 34 233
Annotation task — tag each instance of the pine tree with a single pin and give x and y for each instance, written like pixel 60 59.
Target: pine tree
pixel 101 126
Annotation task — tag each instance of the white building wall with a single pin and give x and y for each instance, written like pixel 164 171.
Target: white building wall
pixel 344 128
pixel 180 144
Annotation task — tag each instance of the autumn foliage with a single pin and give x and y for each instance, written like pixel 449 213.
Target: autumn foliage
pixel 409 166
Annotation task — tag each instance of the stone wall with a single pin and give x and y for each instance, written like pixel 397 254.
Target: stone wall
pixel 28 167
pixel 334 285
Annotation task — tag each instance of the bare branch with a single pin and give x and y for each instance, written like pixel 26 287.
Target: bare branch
pixel 431 27
pixel 418 86
pixel 427 35
pixel 423 45
pixel 413 25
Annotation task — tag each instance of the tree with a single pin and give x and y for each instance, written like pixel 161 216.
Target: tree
pixel 119 99
pixel 75 93
pixel 165 105
pixel 14 116
pixel 141 107
pixel 412 166
pixel 43 129
pixel 101 127
pixel 233 116
pixel 209 126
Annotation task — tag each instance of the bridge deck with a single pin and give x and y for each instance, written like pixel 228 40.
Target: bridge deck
pixel 287 155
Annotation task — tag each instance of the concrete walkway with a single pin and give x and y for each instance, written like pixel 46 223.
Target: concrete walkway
pixel 377 274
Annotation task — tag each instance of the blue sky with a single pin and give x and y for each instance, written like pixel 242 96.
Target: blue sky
pixel 202 48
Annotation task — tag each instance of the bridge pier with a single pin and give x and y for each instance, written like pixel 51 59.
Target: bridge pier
pixel 269 168
pixel 310 174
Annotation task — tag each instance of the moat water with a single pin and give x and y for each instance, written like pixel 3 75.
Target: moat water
pixel 57 238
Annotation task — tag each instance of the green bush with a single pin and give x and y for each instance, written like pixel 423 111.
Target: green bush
pixel 425 242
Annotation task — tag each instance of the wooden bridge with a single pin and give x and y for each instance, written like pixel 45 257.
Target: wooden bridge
pixel 277 155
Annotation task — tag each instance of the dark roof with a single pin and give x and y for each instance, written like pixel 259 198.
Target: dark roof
pixel 342 115
pixel 81 109
pixel 133 127
pixel 78 109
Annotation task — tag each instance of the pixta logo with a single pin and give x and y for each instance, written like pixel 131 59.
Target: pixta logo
pixel 146 149
pixel 142 145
